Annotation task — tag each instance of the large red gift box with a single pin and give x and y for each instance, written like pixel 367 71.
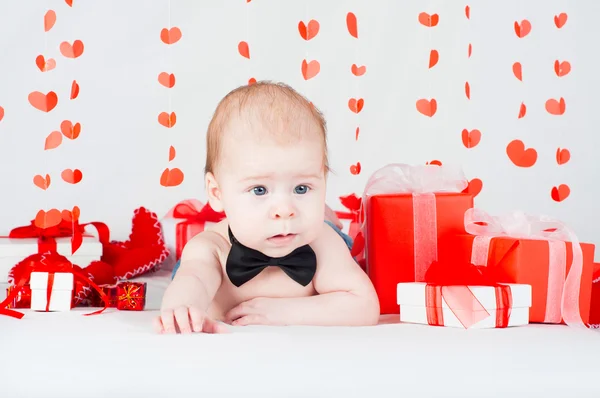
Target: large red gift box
pixel 408 211
pixel 544 264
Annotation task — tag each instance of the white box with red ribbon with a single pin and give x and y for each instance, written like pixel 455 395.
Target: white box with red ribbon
pixel 469 307
pixel 51 291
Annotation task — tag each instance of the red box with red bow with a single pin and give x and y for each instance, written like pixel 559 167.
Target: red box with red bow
pixel 409 210
pixel 537 251
pixel 184 221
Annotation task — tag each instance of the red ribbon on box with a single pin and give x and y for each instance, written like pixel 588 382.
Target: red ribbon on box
pixel 50 262
pixel 451 282
pixel 193 221
pixel 68 226
pixel 562 300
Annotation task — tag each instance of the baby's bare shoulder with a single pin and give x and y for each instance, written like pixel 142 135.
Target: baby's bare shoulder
pixel 330 248
pixel 214 238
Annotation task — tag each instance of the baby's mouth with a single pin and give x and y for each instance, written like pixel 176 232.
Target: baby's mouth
pixel 282 238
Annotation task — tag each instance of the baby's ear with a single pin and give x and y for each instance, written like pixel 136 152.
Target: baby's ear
pixel 213 192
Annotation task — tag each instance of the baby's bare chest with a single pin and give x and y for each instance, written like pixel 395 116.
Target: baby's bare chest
pixel 271 282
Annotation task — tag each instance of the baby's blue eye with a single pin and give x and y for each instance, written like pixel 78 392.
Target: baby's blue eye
pixel 259 191
pixel 301 189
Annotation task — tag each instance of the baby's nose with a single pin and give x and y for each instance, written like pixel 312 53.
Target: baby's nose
pixel 283 211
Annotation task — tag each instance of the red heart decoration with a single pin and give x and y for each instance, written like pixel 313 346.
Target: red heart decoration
pixel 43 102
pixel 428 20
pixel 309 31
pixel 171 177
pixel 560 193
pixel 355 168
pixel 170 36
pixel 471 138
pixel 356 105
pixel 426 107
pixel 522 29
pixel 519 155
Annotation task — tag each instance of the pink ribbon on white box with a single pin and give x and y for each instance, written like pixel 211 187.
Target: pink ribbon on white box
pixel 563 293
pixel 422 181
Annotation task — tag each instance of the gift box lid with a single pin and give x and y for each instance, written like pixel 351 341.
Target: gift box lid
pixel 413 294
pixel 62 281
pixel 23 247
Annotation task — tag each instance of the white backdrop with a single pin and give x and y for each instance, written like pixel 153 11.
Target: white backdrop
pixel 122 149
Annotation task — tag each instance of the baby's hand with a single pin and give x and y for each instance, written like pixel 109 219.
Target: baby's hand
pixel 186 319
pixel 184 308
pixel 258 311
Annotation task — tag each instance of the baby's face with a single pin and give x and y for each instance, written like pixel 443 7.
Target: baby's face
pixel 273 194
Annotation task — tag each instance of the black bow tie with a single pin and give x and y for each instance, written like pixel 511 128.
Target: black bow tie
pixel 244 263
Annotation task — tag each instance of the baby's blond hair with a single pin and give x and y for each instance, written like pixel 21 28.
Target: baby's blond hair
pixel 277 103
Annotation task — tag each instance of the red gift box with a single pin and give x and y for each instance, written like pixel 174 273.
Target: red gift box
pixel 539 252
pixel 131 296
pixel 184 221
pixel 408 211
pixel 21 300
pixel 595 300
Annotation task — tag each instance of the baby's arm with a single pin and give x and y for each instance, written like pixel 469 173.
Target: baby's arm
pixel 196 282
pixel 346 295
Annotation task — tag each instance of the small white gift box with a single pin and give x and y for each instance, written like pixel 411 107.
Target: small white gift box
pixel 15 250
pixel 61 292
pixel 477 307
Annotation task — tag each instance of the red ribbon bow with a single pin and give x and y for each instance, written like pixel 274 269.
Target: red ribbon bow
pixel 50 262
pixel 47 236
pixel 451 282
pixel 189 213
pixel 191 216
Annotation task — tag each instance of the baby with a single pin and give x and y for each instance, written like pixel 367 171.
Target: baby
pixel 274 260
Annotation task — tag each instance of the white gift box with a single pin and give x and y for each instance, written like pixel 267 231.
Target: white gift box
pixel 411 297
pixel 13 251
pixel 61 295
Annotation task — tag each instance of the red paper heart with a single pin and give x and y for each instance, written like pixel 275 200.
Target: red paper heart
pixel 560 193
pixel 522 29
pixel 42 182
pixel 244 49
pixel 69 130
pixel 358 70
pixel 45 65
pixel 427 107
pixel 48 219
pixel 468 90
pixel 560 20
pixel 518 70
pixel 170 36
pixel 519 155
pixel 49 20
pixel 171 177
pixel 352 24
pixel 555 107
pixel 74 89
pixel 71 50
pixel 43 102
pixel 562 156
pixel 167 120
pixel 434 57
pixel 471 138
pixel 562 68
pixel 310 69
pixel 71 176
pixel 309 31
pixel 355 168
pixel 522 110
pixel 53 140
pixel 166 79
pixel 356 105
pixel 474 187
pixel 428 20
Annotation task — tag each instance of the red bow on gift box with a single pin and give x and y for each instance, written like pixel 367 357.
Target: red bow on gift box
pixel 50 262
pixel 191 216
pixel 47 226
pixel 451 282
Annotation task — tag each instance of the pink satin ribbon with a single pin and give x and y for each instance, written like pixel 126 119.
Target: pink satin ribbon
pixel 563 290
pixel 422 181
